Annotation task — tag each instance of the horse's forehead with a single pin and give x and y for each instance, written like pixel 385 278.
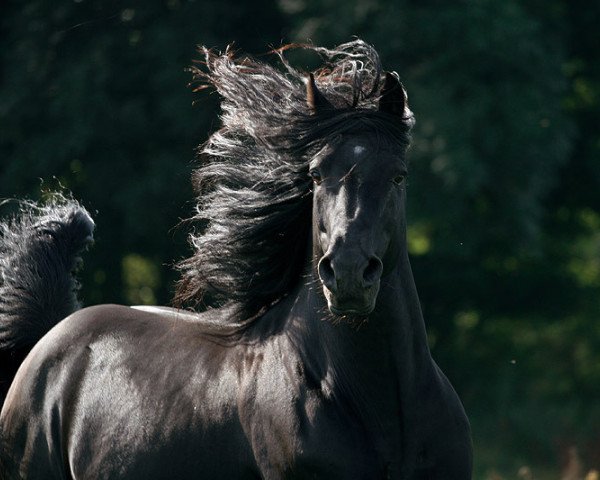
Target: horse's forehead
pixel 365 148
pixel 359 149
pixel 359 144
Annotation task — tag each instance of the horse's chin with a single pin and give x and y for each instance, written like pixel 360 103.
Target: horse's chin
pixel 350 308
pixel 350 312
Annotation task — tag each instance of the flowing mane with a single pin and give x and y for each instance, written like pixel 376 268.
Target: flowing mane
pixel 254 194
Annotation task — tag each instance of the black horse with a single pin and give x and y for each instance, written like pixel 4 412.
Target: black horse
pixel 308 358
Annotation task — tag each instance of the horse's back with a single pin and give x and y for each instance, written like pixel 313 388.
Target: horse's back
pixel 84 403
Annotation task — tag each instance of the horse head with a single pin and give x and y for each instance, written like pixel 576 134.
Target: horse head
pixel 358 200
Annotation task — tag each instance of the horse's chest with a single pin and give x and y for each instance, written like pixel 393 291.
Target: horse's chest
pixel 296 432
pixel 334 443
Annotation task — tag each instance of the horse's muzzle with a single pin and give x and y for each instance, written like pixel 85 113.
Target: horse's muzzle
pixel 350 287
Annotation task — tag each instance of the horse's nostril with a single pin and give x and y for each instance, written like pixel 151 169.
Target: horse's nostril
pixel 327 274
pixel 372 272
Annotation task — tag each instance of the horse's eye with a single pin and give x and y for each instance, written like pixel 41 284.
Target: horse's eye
pixel 316 176
pixel 399 179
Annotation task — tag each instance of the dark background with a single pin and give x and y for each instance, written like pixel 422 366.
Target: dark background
pixel 504 191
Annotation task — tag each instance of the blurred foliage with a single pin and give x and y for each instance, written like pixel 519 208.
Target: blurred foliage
pixel 140 280
pixel 504 192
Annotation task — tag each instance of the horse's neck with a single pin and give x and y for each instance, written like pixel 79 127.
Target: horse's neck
pixel 385 353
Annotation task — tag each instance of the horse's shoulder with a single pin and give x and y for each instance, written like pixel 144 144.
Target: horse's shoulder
pixel 445 436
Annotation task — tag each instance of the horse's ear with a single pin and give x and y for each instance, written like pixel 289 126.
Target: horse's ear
pixel 315 100
pixel 393 96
